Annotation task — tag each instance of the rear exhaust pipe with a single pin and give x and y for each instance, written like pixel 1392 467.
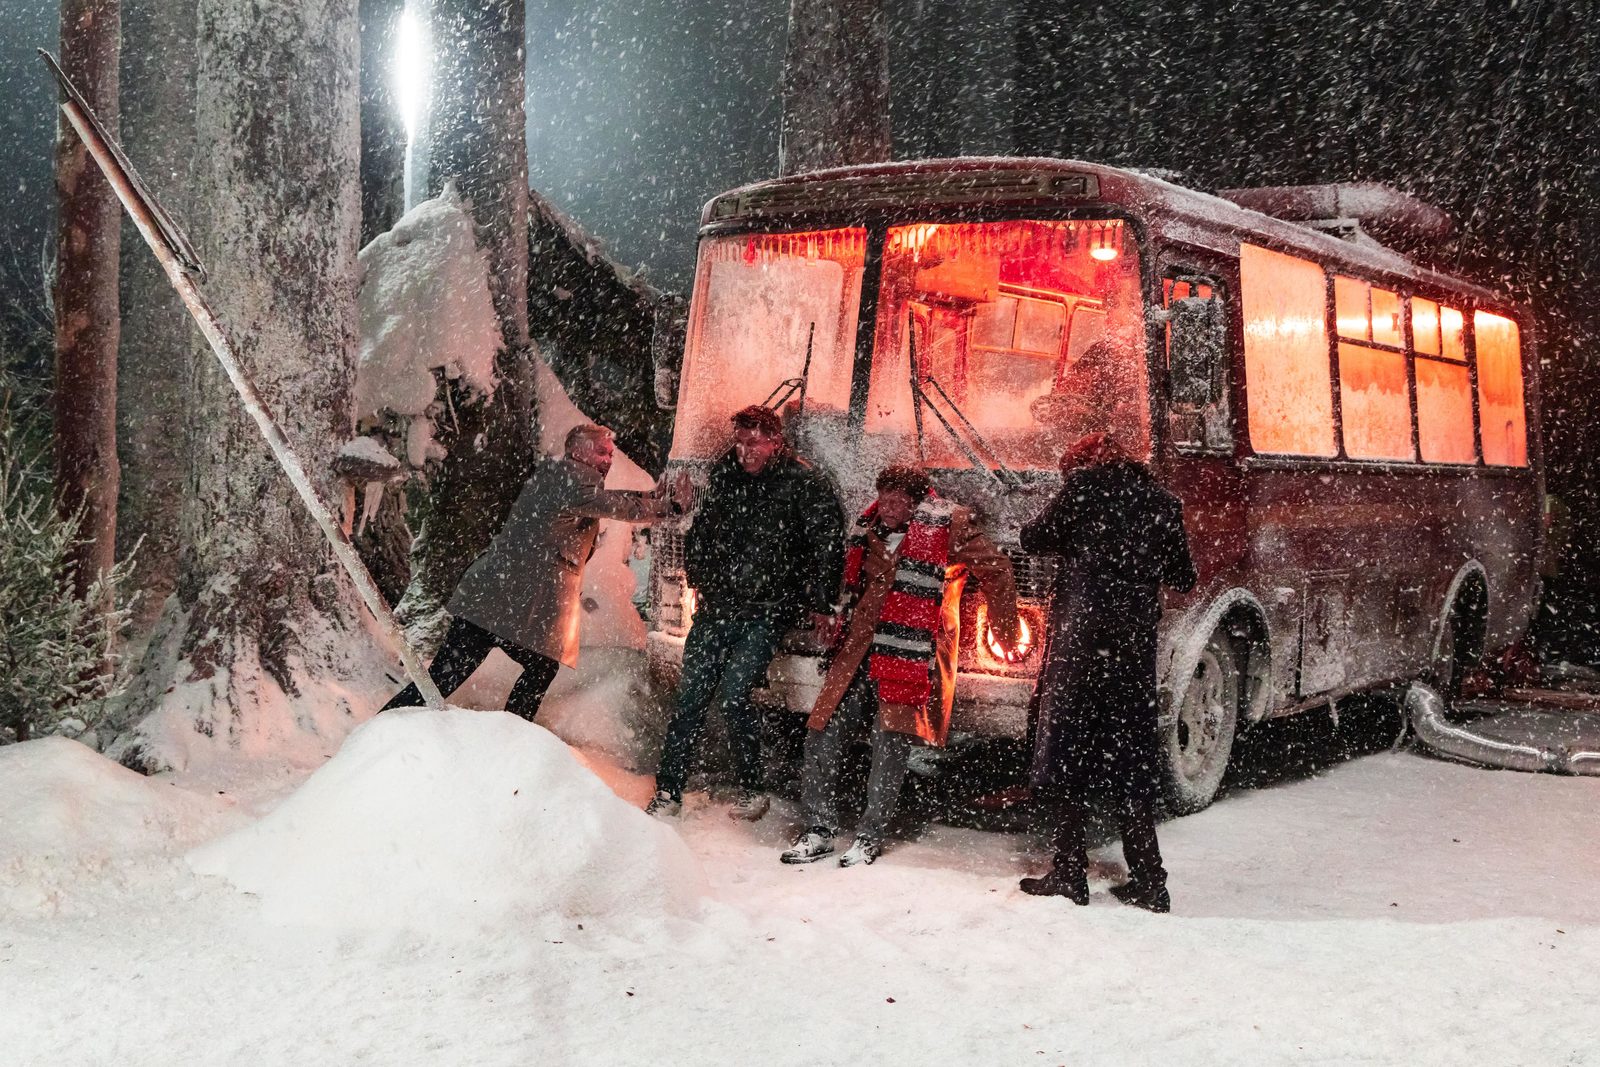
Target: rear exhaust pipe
pixel 1425 709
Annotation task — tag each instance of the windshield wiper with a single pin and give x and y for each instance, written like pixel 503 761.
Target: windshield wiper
pixel 789 386
pixel 1003 475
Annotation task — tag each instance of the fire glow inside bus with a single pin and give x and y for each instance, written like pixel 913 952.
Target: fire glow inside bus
pixel 1354 437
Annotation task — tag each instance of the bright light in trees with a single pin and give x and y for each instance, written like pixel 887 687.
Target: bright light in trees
pixel 412 70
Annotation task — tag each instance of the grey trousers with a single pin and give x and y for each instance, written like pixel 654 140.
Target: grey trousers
pixel 824 753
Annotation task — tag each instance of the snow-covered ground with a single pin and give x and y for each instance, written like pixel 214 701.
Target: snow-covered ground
pixel 456 888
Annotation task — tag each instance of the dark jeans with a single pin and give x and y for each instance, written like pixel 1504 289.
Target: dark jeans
pixel 1067 821
pixel 465 647
pixel 723 660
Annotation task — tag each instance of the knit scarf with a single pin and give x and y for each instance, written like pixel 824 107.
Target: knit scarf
pixel 901 657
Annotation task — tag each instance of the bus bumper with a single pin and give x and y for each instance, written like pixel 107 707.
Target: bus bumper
pixel 986 704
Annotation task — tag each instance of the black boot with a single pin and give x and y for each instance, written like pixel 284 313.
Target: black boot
pixel 1137 895
pixel 1062 881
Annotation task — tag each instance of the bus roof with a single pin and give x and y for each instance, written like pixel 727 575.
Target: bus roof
pixel 1173 212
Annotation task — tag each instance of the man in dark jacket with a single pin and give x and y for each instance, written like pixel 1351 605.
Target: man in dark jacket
pixel 1121 538
pixel 523 594
pixel 764 552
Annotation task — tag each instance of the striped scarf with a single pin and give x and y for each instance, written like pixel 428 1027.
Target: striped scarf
pixel 903 641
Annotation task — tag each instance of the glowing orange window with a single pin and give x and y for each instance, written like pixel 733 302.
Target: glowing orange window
pixel 1444 385
pixel 1501 417
pixel 1283 300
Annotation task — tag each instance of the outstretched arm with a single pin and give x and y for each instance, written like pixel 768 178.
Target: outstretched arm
pixel 623 505
pixel 1050 532
pixel 991 569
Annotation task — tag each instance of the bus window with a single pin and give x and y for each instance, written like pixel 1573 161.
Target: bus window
pixel 1031 330
pixel 1375 403
pixel 1283 301
pixel 1197 396
pixel 1500 411
pixel 1374 396
pixel 1444 386
pixel 759 299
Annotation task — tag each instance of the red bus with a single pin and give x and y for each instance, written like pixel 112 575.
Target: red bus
pixel 1354 437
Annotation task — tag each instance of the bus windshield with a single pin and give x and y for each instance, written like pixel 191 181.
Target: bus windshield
pixel 1030 330
pixel 760 301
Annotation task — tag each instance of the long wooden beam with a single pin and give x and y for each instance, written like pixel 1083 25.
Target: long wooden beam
pixel 178 259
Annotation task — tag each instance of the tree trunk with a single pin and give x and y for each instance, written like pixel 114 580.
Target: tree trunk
pixel 262 641
pixel 86 297
pixel 158 73
pixel 480 143
pixel 835 85
pixel 383 134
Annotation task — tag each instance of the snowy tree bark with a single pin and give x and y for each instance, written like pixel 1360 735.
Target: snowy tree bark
pixel 835 85
pixel 157 96
pixel 261 638
pixel 383 134
pixel 480 141
pixel 86 298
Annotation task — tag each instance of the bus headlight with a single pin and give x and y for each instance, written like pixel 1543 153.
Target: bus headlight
pixel 1012 656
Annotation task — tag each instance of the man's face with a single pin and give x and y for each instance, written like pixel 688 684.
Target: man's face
pixel 895 508
pixel 596 453
pixel 753 447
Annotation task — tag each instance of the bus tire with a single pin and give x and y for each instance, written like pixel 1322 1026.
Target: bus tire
pixel 1198 739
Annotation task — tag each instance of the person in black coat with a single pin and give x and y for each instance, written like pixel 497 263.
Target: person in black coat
pixel 765 551
pixel 1121 538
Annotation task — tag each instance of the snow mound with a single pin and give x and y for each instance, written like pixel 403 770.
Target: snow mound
pixel 73 823
pixel 425 306
pixel 455 820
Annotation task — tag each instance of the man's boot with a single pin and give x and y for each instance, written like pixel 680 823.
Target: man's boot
pixel 1138 895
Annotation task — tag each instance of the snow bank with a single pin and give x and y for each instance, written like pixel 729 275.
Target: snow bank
pixel 74 825
pixel 425 306
pixel 455 820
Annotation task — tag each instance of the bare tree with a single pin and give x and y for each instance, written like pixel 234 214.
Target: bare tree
pixel 158 58
pixel 86 300
pixel 480 142
pixel 835 85
pixel 262 618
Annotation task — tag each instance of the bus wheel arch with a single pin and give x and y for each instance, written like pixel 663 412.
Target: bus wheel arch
pixel 1218 681
pixel 1461 629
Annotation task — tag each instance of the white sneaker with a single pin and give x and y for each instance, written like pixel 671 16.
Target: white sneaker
pixel 749 805
pixel 810 846
pixel 861 853
pixel 664 805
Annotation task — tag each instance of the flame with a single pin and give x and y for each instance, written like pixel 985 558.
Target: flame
pixel 1023 649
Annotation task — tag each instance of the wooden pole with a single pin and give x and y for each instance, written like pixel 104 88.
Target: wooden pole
pixel 168 244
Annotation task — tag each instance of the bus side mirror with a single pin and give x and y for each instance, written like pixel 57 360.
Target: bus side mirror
pixel 1195 350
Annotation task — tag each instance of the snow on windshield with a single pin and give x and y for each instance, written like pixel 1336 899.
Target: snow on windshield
pixel 758 300
pixel 1030 330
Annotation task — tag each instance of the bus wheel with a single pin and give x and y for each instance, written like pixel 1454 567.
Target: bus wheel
pixel 1200 737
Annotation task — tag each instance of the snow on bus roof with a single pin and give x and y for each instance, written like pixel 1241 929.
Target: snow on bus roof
pixel 1178 211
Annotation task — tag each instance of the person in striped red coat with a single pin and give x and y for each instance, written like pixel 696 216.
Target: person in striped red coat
pixel 908 558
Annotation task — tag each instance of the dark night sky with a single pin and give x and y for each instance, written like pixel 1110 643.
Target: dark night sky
pixel 638 112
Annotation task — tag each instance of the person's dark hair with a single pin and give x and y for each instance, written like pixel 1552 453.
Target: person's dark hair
pixel 756 417
pixel 912 481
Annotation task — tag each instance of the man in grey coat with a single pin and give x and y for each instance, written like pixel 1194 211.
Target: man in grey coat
pixel 523 594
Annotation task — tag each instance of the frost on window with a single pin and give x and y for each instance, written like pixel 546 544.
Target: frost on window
pixel 758 298
pixel 1500 411
pixel 1284 305
pixel 1444 385
pixel 1444 412
pixel 1375 403
pixel 1032 330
